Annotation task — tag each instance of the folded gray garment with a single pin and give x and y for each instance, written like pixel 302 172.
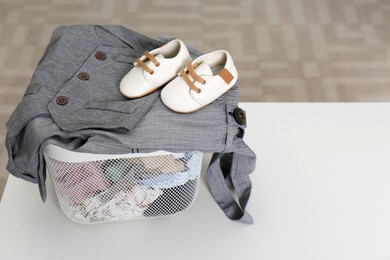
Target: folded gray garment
pixel 73 101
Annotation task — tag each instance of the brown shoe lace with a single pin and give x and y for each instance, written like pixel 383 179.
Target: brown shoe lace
pixel 146 67
pixel 193 74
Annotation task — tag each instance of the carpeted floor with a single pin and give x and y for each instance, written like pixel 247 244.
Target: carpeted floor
pixel 285 50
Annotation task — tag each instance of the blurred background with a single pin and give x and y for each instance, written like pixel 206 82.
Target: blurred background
pixel 284 50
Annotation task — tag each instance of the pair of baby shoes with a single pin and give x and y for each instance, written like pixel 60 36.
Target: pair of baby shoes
pixel 189 85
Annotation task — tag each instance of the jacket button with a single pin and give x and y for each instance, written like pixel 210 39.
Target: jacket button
pixel 83 76
pixel 62 100
pixel 240 116
pixel 100 55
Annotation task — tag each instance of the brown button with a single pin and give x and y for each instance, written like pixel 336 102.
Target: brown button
pixel 84 76
pixel 100 55
pixel 62 100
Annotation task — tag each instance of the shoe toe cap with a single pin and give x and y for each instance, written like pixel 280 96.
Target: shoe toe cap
pixel 177 96
pixel 134 84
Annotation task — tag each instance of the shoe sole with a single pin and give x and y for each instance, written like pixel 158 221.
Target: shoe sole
pixel 143 95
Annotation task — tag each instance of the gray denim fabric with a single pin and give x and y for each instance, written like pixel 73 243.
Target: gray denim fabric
pixel 98 119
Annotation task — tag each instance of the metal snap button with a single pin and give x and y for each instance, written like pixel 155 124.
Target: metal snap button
pixel 83 76
pixel 240 116
pixel 100 55
pixel 62 100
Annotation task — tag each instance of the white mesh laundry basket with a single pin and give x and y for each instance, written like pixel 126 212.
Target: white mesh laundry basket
pixel 95 188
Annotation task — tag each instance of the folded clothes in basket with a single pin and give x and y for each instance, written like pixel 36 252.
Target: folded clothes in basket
pixel 175 173
pixel 123 206
pixel 85 179
pixel 143 186
pixel 73 101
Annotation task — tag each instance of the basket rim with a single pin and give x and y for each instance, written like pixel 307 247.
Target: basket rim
pixel 61 154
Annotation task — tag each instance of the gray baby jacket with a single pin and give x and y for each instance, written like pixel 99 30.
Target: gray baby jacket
pixel 73 101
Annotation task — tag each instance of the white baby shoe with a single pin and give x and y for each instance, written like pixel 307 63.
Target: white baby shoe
pixel 154 69
pixel 201 82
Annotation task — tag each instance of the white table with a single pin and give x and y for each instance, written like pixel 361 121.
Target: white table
pixel 321 190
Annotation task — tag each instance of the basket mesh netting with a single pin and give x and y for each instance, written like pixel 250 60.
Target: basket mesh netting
pixel 125 188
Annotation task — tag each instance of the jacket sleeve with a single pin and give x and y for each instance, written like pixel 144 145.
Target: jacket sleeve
pixel 28 109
